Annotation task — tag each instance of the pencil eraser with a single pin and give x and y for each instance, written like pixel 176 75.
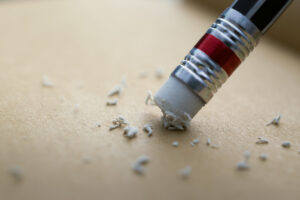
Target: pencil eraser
pixel 175 98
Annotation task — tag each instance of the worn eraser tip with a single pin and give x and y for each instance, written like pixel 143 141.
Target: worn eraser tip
pixel 177 98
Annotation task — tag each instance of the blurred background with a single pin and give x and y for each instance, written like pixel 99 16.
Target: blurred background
pixel 285 31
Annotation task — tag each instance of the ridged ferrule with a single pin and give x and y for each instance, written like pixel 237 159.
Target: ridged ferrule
pixel 218 53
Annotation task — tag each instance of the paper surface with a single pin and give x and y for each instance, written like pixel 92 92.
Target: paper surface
pixel 85 48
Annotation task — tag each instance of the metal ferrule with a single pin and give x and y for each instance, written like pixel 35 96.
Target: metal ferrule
pixel 201 74
pixel 204 75
pixel 236 31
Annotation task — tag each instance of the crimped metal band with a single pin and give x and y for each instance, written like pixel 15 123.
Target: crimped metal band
pixel 236 31
pixel 201 74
